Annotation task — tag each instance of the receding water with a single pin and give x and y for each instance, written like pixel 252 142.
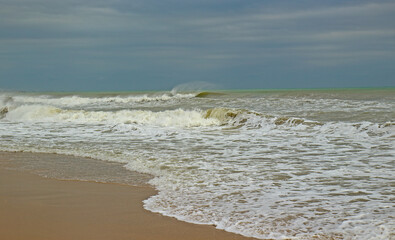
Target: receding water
pixel 269 164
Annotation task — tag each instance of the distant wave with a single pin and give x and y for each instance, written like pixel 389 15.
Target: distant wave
pixel 196 86
pixel 225 117
pixel 75 100
pixel 209 94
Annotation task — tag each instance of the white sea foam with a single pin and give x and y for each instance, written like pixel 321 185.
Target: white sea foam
pixel 245 165
pixel 184 118
pixel 75 100
pixel 178 117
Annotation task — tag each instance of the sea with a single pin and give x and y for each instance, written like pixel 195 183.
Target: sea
pixel 278 164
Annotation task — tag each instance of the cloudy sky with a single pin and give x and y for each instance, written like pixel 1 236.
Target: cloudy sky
pixel 109 45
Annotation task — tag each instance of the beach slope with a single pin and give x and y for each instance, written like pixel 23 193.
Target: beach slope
pixel 36 208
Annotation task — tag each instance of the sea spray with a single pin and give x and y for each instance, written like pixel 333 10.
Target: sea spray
pixel 269 164
pixel 197 86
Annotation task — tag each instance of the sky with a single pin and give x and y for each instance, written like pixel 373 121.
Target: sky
pixel 132 45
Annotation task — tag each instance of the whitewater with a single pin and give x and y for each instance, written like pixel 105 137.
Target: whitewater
pixel 298 164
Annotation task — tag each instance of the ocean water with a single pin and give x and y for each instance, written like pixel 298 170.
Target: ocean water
pixel 299 164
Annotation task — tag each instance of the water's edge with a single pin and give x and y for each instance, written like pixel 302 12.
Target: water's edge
pixel 70 167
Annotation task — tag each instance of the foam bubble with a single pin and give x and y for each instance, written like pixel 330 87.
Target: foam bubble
pixel 263 166
pixel 178 117
pixel 75 100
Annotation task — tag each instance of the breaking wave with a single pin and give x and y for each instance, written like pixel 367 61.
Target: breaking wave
pixel 177 118
pixel 242 117
pixel 239 162
pixel 219 117
pixel 75 100
pixel 209 94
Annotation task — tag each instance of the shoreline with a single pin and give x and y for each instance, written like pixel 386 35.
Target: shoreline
pixel 34 207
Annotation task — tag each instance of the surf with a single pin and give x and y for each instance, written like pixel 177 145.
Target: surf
pixel 261 164
pixel 85 100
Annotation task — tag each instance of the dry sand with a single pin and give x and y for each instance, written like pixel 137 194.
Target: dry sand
pixel 37 208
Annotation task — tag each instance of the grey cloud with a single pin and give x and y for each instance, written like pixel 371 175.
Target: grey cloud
pixel 193 39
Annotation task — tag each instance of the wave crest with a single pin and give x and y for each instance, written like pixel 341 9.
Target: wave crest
pixel 43 113
pixel 214 117
pixel 243 117
pixel 76 100
pixel 209 94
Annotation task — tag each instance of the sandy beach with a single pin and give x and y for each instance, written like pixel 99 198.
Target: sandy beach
pixel 36 208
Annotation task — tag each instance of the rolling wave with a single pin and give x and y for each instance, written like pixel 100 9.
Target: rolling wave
pixel 248 155
pixel 213 117
pixel 76 100
pixel 43 113
pixel 208 94
pixel 243 117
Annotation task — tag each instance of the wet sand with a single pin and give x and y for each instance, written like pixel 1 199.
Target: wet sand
pixel 37 208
